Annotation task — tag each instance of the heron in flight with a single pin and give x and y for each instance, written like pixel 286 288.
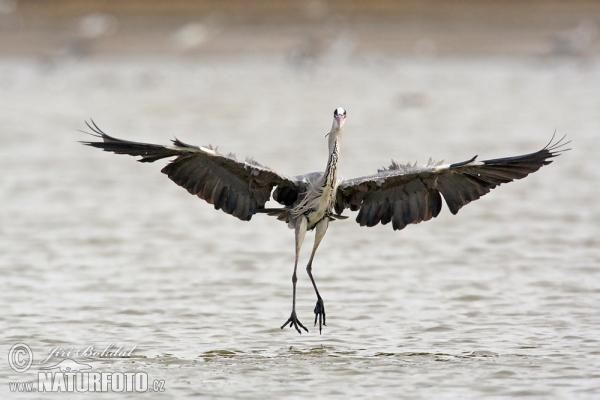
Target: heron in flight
pixel 400 194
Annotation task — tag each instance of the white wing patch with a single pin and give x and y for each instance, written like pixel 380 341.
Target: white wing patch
pixel 208 150
pixel 447 166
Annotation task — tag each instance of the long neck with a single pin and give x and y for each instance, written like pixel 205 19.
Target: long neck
pixel 330 175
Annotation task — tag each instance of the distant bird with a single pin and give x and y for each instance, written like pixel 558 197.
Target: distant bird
pixel 400 194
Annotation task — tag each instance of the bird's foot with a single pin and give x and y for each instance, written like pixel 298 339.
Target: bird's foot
pixel 294 321
pixel 320 314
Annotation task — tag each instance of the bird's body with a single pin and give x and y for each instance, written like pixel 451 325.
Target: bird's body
pixel 401 194
pixel 319 198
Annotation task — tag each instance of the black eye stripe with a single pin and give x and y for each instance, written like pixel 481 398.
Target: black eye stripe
pixel 337 114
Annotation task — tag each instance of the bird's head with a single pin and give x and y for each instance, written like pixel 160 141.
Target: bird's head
pixel 339 116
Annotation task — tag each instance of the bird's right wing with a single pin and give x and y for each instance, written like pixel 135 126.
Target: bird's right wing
pixel 239 188
pixel 409 194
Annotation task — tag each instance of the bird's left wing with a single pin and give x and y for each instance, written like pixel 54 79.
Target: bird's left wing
pixel 409 194
pixel 239 188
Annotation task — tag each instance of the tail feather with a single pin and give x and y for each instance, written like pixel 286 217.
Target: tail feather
pixel 284 214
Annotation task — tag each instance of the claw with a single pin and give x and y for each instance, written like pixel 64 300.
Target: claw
pixel 320 313
pixel 294 321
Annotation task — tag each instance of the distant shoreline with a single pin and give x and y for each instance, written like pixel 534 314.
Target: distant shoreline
pixel 299 29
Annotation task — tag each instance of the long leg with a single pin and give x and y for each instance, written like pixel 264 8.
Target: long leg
pixel 301 224
pixel 320 230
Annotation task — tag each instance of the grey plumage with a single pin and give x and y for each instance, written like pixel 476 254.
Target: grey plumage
pixel 408 194
pixel 239 188
pixel 400 194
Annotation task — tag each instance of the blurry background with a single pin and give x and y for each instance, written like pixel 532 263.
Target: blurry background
pixel 302 30
pixel 95 248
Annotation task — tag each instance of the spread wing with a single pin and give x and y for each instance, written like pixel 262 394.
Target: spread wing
pixel 239 188
pixel 409 194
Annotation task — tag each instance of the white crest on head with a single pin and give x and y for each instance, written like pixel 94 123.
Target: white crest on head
pixel 339 112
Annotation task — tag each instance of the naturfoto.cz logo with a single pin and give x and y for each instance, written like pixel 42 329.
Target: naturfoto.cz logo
pixel 69 375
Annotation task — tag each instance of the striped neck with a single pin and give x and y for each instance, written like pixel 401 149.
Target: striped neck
pixel 335 140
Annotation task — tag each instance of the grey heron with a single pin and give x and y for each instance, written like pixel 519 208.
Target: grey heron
pixel 400 194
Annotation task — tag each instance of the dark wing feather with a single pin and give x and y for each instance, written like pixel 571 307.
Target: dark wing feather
pixel 239 188
pixel 409 194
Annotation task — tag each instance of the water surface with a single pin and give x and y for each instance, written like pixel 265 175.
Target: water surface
pixel 500 300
